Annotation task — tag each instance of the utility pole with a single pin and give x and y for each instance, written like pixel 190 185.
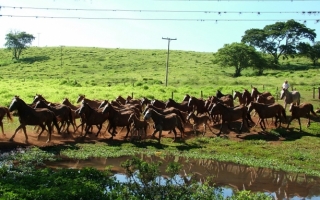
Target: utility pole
pixel 167 67
pixel 61 57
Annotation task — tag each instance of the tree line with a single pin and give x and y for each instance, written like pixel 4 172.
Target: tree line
pixel 260 49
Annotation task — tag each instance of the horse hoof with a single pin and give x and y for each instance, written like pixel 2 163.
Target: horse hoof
pixel 47 141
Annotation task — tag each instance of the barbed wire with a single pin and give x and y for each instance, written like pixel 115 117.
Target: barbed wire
pixel 156 19
pixel 168 11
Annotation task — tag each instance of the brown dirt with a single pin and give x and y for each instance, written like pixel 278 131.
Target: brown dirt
pixel 19 140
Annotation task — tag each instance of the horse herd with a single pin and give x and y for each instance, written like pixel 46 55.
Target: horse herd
pixel 135 114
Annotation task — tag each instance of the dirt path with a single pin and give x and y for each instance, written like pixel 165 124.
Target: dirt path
pixel 19 140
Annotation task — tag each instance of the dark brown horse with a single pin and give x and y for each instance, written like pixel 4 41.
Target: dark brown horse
pixel 255 93
pixel 181 106
pixel 138 125
pixel 164 123
pixel 38 97
pixel 121 100
pixel 229 115
pixel 145 101
pixel 3 112
pixel 119 107
pixel 158 103
pixel 62 112
pixel 219 95
pixel 92 103
pixel 237 94
pixel 246 95
pixel 265 100
pixel 117 118
pixel 92 117
pixel 302 110
pixel 28 116
pixel 165 111
pixel 267 111
pixel 198 105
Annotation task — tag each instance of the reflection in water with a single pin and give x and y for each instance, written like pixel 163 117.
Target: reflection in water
pixel 279 184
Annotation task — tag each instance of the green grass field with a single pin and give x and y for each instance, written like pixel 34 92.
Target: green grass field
pixel 101 73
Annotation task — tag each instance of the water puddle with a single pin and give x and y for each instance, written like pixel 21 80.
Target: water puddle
pixel 231 177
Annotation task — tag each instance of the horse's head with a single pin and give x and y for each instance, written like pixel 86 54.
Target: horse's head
pixel 186 97
pixel 14 103
pixel 250 106
pixel 260 99
pixel 103 103
pixel 65 101
pixel 236 94
pixel 82 108
pixel 254 92
pixel 146 108
pixel 147 114
pixel 80 98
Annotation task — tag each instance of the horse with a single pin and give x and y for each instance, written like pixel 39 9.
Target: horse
pixel 246 95
pixel 145 101
pixel 4 111
pixel 92 103
pixel 28 116
pixel 290 97
pixel 158 103
pixel 302 110
pixel 197 120
pixel 165 111
pixel 38 97
pixel 198 104
pixel 164 123
pixel 219 95
pixel 266 100
pixel 92 117
pixel 126 107
pixel 62 112
pixel 121 100
pixel 237 94
pixel 138 125
pixel 181 106
pixel 267 111
pixel 255 93
pixel 230 114
pixel 117 118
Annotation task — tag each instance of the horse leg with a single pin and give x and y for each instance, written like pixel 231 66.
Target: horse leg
pixel 308 116
pixel 19 127
pixel 299 123
pixel 49 132
pixel 160 132
pixel 175 135
pixel 1 124
pixel 261 123
pixel 221 128
pixel 43 128
pixel 289 122
pixel 204 129
pixel 194 129
pixel 128 130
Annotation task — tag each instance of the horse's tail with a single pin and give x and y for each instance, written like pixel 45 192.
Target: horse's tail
pixel 55 122
pixel 312 111
pixel 180 124
pixel 9 116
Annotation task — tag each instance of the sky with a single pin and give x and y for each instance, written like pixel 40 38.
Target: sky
pixel 142 24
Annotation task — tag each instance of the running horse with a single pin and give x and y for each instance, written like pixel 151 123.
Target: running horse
pixel 42 117
pixel 230 114
pixel 255 93
pixel 267 111
pixel 198 105
pixel 237 94
pixel 302 110
pixel 164 123
pixel 290 97
pixel 4 111
pixel 219 95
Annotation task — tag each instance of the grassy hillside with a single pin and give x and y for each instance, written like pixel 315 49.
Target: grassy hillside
pixel 101 73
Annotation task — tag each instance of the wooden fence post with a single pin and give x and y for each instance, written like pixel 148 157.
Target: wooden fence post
pixel 318 92
pixel 172 95
pixel 201 95
pixel 277 94
pixel 263 87
pixel 132 94
pixel 313 92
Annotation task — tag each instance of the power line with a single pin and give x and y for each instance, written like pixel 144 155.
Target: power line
pixel 159 19
pixel 168 11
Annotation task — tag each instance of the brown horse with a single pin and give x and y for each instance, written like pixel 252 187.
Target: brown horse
pixel 247 97
pixel 28 116
pixel 4 111
pixel 198 105
pixel 145 101
pixel 265 100
pixel 255 93
pixel 92 103
pixel 121 100
pixel 158 103
pixel 302 110
pixel 237 94
pixel 165 111
pixel 181 106
pixel 62 112
pixel 117 118
pixel 164 123
pixel 38 97
pixel 126 107
pixel 219 95
pixel 267 111
pixel 230 114
pixel 198 120
pixel 92 117
pixel 138 125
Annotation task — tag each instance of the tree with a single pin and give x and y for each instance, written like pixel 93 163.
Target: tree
pixel 279 39
pixel 312 52
pixel 18 41
pixel 240 56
